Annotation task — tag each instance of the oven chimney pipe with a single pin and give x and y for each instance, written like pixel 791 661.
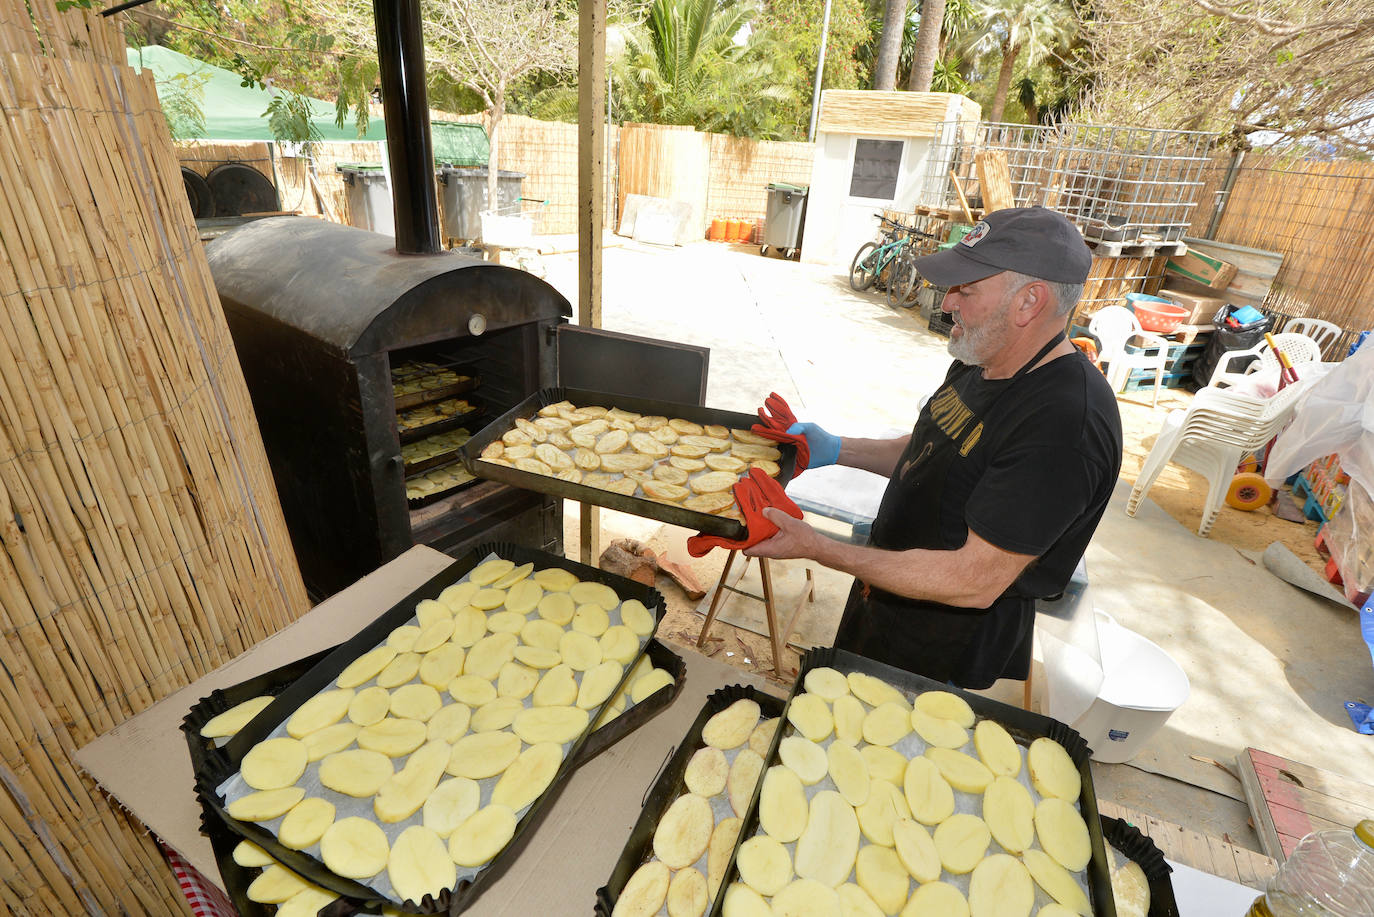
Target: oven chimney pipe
pixel 401 63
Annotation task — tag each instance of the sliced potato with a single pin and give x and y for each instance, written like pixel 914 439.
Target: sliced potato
pixel 744 776
pixel 849 771
pixel 399 671
pixel 882 875
pixel 550 724
pixel 415 702
pixel 936 899
pixel 469 626
pixel 1058 882
pixel 684 831
pixel 936 731
pixel 811 716
pixel 275 885
pixel 539 634
pixel 354 848
pixel 1000 887
pixel 505 622
pixel 873 691
pixel 249 855
pixel 997 749
pixel 884 807
pixel 764 865
pixel 235 718
pixel 928 793
pixel 473 690
pixel 1063 834
pixel 488 572
pixel 827 847
pixel 403 638
pixel 706 772
pixel 644 894
pixel 457 596
pixel 783 808
pixel 490 599
pixel 855 902
pixel 404 794
pixel 496 714
pixel 329 740
pixel 579 650
pixel 490 653
pixel 964 772
pixel 731 727
pixel 429 610
pixel 1131 890
pixel 357 772
pixel 482 836
pixel 722 844
pixel 826 682
pixel 324 709
pixel 273 763
pixel 523 597
pixel 591 620
pixel 392 737
pixel 743 901
pixel 441 665
pixel 806 898
pixel 420 865
pixel 761 739
pixel 434 634
pixel 961 840
pixel 557 688
pixel 450 804
pixel 516 681
pixel 806 759
pixel 687 894
pixel 305 824
pixel 916 849
pixel 528 776
pixel 620 644
pixel 365 667
pixel 595 594
pixel 947 706
pixel 555 579
pixel 885 763
pixel 887 724
pixel 1010 814
pixel 638 618
pixel 1052 771
pixel 483 754
pixel 646 685
pixel 849 716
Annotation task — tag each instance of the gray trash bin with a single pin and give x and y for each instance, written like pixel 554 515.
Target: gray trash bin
pixel 369 198
pixel 783 225
pixel 463 196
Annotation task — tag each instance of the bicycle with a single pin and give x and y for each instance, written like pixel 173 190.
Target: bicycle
pixel 895 255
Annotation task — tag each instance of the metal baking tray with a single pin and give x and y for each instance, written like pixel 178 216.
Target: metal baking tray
pixel 451 422
pixel 669 786
pixel 223 763
pixel 434 461
pixel 1131 843
pixel 650 509
pixel 1023 726
pixel 415 399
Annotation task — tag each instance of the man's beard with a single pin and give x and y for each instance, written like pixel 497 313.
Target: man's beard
pixel 977 345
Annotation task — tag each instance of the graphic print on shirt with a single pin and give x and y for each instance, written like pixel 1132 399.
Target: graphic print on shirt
pixel 953 418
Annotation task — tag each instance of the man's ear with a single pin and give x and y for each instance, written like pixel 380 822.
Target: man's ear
pixel 1032 300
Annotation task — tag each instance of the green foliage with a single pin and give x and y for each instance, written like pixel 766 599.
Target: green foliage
pixel 947 77
pixel 288 117
pixel 183 104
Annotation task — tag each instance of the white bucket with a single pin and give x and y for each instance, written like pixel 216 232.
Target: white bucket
pixel 1141 686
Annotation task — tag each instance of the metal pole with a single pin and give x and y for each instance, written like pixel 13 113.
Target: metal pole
pixel 1224 194
pixel 401 65
pixel 820 68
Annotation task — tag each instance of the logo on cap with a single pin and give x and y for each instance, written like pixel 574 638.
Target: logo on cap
pixel 976 234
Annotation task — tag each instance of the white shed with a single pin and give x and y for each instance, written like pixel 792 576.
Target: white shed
pixel 872 150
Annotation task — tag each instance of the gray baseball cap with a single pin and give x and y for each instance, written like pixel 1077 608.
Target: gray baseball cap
pixel 1029 240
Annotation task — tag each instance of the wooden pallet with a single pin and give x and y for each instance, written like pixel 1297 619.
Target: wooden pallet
pixel 1134 248
pixel 945 213
pixel 1213 855
pixel 1289 800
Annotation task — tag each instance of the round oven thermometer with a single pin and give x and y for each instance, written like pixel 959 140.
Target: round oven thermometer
pixel 477 323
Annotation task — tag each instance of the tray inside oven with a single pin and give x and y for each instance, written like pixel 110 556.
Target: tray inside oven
pixel 442 424
pixel 466 383
pixel 638 506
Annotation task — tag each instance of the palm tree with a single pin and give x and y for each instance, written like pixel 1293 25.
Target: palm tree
pixel 1026 30
pixel 890 45
pixel 927 45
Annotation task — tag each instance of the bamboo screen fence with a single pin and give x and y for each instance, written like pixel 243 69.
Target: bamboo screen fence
pixel 141 542
pixel 740 170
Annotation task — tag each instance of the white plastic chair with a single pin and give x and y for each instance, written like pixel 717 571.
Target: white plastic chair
pixel 1114 327
pixel 1299 348
pixel 1211 437
pixel 1319 330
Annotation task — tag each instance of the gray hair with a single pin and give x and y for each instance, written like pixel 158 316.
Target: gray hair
pixel 1066 295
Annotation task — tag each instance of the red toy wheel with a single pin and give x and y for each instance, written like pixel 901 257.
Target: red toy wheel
pixel 1248 491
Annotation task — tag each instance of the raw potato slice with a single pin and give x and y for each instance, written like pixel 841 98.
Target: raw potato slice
pixel 916 849
pixel 883 876
pixel 718 852
pixel 305 824
pixel 235 718
pixel 1052 771
pixel 516 681
pixel 887 724
pixel 620 644
pixel 490 653
pixel 469 626
pixel 646 685
pixel 449 724
pixel 962 840
pixel 440 666
pixel 485 834
pixel 806 898
pixel 827 847
pixel 761 739
pixel 873 691
pixel 528 776
pixel 637 618
pixel 400 670
pixel 731 727
pixel 505 622
pixel 849 716
pixel 855 902
pixel 594 594
pixel 712 481
pixel 806 759
pixel 415 702
pixel 964 772
pixel 884 764
pixel 273 763
pixel 884 808
pixel 249 855
pixel 555 579
pixel 937 731
pixel 354 848
pixel 485 574
pixel 524 596
pixel 1010 814
pixel 483 754
pixel 1131 890
pixel 324 709
pixel 764 865
pixel 550 724
pixel 810 714
pixel 1000 887
pixel 275 885
pixel 434 634
pixel 429 610
pixel 684 831
pixel 706 772
pixel 687 894
pixel 849 771
pixel 1055 909
pixel 826 682
pixel 743 901
pixel 537 657
pixel 419 865
pixel 329 740
pixel 541 634
pixel 357 772
pixel 473 690
pixel 591 620
pixel 557 688
pixel 928 793
pixel 488 599
pixel 402 795
pixel 598 683
pixel 497 714
pixel 365 667
pixel 392 737
pixel 936 899
pixel 402 639
pixel 1063 834
pixel 579 650
pixel 744 776
pixel 1059 883
pixel 459 595
pixel 265 805
pixel 644 894
pixel 558 608
pixel 782 804
pixel 450 804
pixel 997 749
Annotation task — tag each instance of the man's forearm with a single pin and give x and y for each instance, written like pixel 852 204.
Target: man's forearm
pixel 971 577
pixel 876 455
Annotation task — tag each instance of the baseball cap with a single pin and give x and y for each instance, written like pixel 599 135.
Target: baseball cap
pixel 1029 240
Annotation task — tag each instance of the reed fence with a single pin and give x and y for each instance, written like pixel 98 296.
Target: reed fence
pixel 141 542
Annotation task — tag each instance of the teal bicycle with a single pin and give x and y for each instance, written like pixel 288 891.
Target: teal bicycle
pixel 893 260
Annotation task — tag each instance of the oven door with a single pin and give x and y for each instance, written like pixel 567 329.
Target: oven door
pixel 637 367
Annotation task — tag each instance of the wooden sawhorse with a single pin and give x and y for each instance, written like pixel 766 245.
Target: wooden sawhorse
pixel 776 636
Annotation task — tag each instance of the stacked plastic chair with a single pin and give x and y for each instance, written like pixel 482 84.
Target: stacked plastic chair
pixel 1299 348
pixel 1212 437
pixel 1115 327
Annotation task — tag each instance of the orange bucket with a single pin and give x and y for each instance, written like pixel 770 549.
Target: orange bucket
pixel 732 228
pixel 717 231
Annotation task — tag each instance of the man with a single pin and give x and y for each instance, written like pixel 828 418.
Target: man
pixel 995 494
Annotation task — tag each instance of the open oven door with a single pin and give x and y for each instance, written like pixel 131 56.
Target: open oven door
pixel 625 364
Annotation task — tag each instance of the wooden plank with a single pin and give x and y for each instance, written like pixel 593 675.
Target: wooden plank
pixel 591 197
pixel 1281 790
pixel 1317 780
pixel 995 180
pixel 1270 842
pixel 1255 268
pixel 889 114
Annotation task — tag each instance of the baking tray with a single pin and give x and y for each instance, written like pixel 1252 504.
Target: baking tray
pixel 415 399
pixel 1023 726
pixel 451 422
pixel 224 763
pixel 668 787
pixel 434 461
pixel 1131 843
pixel 436 496
pixel 637 506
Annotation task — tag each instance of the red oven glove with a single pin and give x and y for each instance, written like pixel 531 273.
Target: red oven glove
pixel 754 493
pixel 776 416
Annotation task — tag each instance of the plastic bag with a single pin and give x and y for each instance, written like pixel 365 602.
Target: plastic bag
pixel 1335 415
pixel 1225 339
